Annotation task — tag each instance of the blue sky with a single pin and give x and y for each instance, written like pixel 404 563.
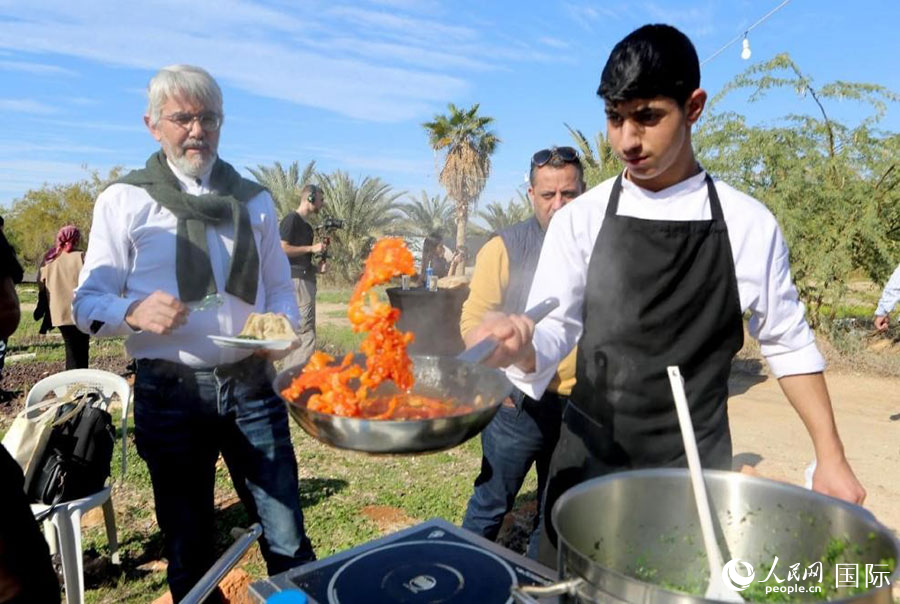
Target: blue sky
pixel 348 84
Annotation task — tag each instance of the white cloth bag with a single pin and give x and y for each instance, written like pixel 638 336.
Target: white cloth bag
pixel 27 437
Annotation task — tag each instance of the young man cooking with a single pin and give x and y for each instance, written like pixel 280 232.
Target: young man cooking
pixel 654 268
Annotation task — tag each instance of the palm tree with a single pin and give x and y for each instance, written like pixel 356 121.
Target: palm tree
pixel 498 217
pixel 463 135
pixel 284 186
pixel 368 208
pixel 599 165
pixel 425 215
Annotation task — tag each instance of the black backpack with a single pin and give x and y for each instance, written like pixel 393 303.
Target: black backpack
pixel 79 453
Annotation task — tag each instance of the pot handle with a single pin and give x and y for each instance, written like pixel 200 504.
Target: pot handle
pixel 528 594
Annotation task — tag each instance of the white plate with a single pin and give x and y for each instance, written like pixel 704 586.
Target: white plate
pixel 229 342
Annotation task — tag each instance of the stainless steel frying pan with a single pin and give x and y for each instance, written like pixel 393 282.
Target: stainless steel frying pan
pixel 445 378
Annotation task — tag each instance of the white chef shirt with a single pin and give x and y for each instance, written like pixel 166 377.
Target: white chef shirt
pixel 131 254
pixel 890 296
pixel 760 259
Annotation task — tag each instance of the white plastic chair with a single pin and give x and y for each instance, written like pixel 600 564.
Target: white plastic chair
pixel 62 528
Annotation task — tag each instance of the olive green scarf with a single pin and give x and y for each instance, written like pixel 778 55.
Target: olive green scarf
pixel 228 202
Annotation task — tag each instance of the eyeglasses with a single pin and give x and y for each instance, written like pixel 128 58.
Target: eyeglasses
pixel 209 120
pixel 567 154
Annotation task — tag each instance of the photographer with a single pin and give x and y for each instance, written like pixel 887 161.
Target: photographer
pixel 297 242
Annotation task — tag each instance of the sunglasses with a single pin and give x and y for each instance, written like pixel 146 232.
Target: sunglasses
pixel 567 154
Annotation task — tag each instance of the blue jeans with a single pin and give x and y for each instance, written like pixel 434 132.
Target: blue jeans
pixel 517 437
pixel 183 419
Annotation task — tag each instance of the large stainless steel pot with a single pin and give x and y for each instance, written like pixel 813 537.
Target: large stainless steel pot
pixel 440 377
pixel 644 524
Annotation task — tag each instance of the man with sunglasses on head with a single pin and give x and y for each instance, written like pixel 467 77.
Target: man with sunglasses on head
pixel 180 250
pixel 297 242
pixel 654 268
pixel 525 430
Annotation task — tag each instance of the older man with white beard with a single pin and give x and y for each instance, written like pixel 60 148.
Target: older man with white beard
pixel 181 250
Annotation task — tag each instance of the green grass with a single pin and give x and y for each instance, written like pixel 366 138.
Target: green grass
pixel 28 327
pixel 28 294
pixel 341 295
pixel 49 346
pixel 337 338
pixel 851 311
pixel 334 296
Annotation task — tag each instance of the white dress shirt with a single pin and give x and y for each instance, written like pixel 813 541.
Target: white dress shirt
pixel 131 254
pixel 891 294
pixel 760 259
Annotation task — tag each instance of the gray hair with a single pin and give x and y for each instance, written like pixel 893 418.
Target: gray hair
pixel 186 81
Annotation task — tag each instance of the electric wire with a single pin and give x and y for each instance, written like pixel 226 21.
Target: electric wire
pixel 742 35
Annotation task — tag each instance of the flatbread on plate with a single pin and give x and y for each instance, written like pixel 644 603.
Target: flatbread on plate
pixel 267 326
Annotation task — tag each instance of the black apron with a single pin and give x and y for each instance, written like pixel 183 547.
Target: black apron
pixel 658 293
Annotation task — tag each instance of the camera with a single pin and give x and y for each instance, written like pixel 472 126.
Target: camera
pixel 330 223
pixel 324 229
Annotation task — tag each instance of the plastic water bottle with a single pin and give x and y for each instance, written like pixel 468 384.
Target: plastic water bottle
pixel 291 596
pixel 429 275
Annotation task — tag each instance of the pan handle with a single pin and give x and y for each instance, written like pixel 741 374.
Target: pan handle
pixel 483 349
pixel 244 538
pixel 542 309
pixel 530 594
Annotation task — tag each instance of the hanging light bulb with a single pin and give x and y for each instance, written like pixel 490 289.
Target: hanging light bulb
pixel 745 51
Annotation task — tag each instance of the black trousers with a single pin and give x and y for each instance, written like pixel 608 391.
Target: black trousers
pixel 77 345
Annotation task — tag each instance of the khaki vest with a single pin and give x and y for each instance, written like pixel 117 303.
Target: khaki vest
pixel 60 277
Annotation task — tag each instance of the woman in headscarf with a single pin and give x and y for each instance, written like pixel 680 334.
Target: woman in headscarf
pixel 57 280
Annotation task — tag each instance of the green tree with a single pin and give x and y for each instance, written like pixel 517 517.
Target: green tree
pixel 368 208
pixel 33 220
pixel 833 187
pixel 284 185
pixel 499 216
pixel 426 214
pixel 600 161
pixel 462 136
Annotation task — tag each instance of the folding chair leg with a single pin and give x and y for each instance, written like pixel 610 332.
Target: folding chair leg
pixel 109 516
pixel 68 526
pixel 50 536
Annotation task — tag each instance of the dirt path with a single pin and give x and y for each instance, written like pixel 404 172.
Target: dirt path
pixel 330 313
pixel 769 435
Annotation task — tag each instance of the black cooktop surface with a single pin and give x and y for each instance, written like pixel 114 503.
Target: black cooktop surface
pixel 421 571
pixel 434 562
